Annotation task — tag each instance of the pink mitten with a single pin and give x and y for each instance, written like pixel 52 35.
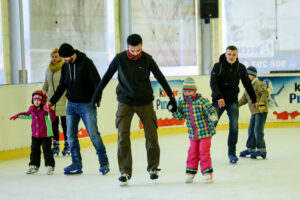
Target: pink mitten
pixel 14 117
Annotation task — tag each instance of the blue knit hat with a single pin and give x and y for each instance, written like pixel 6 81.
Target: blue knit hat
pixel 252 71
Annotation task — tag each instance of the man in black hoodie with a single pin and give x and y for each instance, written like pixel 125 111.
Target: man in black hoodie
pixel 135 95
pixel 80 78
pixel 224 82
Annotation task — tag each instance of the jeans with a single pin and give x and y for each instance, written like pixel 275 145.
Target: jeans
pixel 233 115
pixel 256 132
pixel 87 112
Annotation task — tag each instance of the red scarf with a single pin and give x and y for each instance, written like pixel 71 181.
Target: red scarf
pixel 132 57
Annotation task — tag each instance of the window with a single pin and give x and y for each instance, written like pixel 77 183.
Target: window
pixel 168 29
pixel 266 35
pixel 48 24
pixel 1 50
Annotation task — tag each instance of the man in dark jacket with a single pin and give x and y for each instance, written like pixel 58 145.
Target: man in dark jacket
pixel 135 95
pixel 224 82
pixel 80 78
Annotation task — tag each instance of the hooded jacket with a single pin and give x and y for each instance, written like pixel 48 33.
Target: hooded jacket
pixel 225 79
pixel 134 86
pixel 80 79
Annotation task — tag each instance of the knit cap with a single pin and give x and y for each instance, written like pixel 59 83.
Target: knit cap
pixel 252 71
pixel 189 85
pixel 66 50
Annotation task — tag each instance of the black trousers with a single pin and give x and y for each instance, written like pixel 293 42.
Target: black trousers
pixel 35 155
pixel 55 127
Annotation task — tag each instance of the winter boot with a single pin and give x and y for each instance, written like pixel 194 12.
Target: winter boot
pixel 55 149
pixel 104 169
pixel 66 151
pixel 189 178
pixel 73 169
pixel 32 169
pixel 256 154
pixel 245 153
pixel 233 159
pixel 154 174
pixel 123 179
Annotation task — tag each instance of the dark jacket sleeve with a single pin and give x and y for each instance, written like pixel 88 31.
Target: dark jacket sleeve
pixel 247 83
pixel 61 88
pixel 94 76
pixel 214 82
pixel 113 67
pixel 160 78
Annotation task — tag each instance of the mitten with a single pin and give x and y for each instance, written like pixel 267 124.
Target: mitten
pixel 261 107
pixel 172 105
pixel 14 117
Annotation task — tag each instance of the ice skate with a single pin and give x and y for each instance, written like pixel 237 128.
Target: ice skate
pixel 32 169
pixel 50 170
pixel 261 154
pixel 245 153
pixel 233 159
pixel 73 169
pixel 189 178
pixel 208 178
pixel 55 149
pixel 104 169
pixel 66 151
pixel 123 179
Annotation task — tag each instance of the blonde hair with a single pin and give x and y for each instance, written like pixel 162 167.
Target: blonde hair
pixel 55 50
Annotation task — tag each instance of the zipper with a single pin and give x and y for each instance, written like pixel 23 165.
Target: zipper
pixel 192 118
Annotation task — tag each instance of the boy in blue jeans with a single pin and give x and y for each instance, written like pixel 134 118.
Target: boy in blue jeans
pixel 256 144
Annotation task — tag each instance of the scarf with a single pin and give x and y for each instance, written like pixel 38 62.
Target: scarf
pixel 132 57
pixel 56 67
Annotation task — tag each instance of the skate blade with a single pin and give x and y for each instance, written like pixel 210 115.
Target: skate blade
pixel 78 172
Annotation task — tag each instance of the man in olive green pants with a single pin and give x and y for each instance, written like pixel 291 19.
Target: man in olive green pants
pixel 135 95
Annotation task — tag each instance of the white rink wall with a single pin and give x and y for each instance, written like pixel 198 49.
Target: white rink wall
pixel 17 98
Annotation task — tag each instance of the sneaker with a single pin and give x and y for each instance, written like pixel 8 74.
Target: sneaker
pixel 154 174
pixel 189 178
pixel 73 169
pixel 256 154
pixel 32 169
pixel 233 159
pixel 208 177
pixel 50 170
pixel 245 153
pixel 104 169
pixel 123 179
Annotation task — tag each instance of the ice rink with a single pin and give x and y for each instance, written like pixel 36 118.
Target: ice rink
pixel 277 177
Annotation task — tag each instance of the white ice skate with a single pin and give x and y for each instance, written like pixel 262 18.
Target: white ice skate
pixel 50 170
pixel 32 169
pixel 189 178
pixel 208 178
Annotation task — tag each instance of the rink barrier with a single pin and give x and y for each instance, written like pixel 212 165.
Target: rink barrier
pixel 86 142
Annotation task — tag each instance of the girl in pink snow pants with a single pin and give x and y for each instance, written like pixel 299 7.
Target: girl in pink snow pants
pixel 200 116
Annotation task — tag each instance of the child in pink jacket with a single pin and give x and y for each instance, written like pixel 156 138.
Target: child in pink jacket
pixel 199 115
pixel 41 132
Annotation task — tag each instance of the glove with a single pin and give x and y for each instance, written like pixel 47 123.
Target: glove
pixel 213 118
pixel 14 117
pixel 47 107
pixel 261 107
pixel 172 105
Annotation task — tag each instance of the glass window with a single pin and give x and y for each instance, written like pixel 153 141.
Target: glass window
pixel 168 29
pixel 1 50
pixel 48 24
pixel 266 35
